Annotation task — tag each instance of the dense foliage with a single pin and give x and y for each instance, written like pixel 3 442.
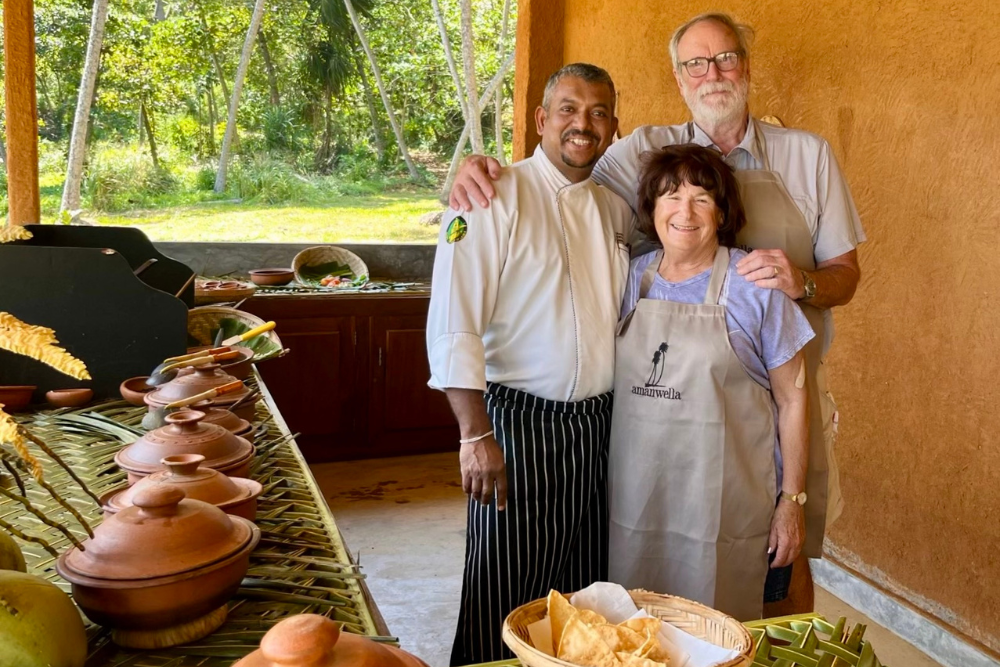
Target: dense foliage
pixel 304 112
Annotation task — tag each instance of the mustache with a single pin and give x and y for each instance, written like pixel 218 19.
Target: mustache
pixel 569 134
pixel 710 87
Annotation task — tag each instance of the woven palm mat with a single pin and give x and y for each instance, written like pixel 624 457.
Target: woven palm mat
pixel 300 565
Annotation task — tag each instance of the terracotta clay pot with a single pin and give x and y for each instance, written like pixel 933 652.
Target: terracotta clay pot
pixel 238 368
pixel 134 390
pixel 160 573
pixel 185 434
pixel 16 397
pixel 273 277
pixel 188 384
pixel 226 419
pixel 233 495
pixel 69 398
pixel 310 640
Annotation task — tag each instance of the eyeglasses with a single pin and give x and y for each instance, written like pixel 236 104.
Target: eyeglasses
pixel 725 62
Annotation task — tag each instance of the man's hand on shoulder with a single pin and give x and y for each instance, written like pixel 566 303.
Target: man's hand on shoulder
pixel 483 468
pixel 474 182
pixel 771 269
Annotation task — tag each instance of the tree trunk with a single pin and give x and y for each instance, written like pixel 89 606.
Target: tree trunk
pixel 372 111
pixel 241 72
pixel 474 121
pixel 148 127
pixel 396 128
pixel 210 46
pixel 212 120
pixel 158 12
pixel 457 156
pixel 498 100
pixel 272 76
pixel 463 100
pixel 78 139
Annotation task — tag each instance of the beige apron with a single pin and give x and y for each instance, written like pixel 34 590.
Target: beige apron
pixel 774 221
pixel 691 475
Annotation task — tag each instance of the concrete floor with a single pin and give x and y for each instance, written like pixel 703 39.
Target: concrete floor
pixel 404 518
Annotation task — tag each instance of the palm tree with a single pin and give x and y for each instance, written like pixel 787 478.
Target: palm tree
pixel 654 378
pixel 78 138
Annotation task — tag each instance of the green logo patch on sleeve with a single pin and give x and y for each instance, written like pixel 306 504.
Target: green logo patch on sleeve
pixel 457 229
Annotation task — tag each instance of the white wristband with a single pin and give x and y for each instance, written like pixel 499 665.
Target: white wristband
pixel 469 441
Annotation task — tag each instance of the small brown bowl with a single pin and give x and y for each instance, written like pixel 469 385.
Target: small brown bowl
pixel 272 277
pixel 16 397
pixel 133 389
pixel 69 398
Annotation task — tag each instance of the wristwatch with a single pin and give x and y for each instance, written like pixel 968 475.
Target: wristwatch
pixel 808 286
pixel 797 498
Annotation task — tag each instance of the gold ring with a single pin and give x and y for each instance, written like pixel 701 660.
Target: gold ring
pixel 776 272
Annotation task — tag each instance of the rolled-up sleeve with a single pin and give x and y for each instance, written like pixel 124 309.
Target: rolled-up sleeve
pixel 463 296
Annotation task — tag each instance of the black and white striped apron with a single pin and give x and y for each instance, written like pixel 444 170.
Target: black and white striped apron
pixel 553 533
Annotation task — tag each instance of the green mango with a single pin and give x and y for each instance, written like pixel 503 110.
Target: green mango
pixel 11 557
pixel 39 624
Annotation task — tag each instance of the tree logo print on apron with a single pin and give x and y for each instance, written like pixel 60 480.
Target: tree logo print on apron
pixel 652 386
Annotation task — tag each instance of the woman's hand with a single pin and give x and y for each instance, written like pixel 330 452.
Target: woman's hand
pixel 788 533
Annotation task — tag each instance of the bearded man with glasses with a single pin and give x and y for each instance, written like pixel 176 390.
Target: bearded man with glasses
pixel 802 233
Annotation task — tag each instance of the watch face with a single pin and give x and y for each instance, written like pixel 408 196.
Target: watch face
pixel 801 498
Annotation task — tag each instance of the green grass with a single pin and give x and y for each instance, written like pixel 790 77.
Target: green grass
pixel 376 218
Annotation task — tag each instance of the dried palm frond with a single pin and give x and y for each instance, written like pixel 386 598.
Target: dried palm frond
pixel 14 233
pixel 10 432
pixel 39 343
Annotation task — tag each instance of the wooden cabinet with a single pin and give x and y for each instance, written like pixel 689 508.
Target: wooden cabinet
pixel 355 382
pixel 405 416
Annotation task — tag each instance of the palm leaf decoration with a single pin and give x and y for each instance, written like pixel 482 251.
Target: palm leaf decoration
pixel 263 347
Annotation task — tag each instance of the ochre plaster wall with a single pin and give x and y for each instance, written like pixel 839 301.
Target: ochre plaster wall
pixel 907 94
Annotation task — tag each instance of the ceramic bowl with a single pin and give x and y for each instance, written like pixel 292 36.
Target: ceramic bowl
pixel 69 398
pixel 272 277
pixel 134 389
pixel 16 397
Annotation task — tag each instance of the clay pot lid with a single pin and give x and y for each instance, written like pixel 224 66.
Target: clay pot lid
pixel 310 640
pixel 202 379
pixel 199 483
pixel 222 417
pixel 163 534
pixel 184 434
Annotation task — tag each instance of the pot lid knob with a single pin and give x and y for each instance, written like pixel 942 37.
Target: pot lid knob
pixel 159 499
pixel 183 465
pixel 305 640
pixel 184 421
pixel 207 370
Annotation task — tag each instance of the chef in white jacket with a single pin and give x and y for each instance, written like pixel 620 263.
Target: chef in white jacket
pixel 520 335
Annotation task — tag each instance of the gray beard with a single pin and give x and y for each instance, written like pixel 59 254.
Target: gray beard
pixel 712 115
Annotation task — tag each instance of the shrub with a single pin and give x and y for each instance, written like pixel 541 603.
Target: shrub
pixel 185 134
pixel 121 178
pixel 265 179
pixel 281 132
pixel 204 178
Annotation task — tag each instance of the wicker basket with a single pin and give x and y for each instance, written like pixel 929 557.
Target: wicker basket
pixel 204 321
pixel 691 617
pixel 323 254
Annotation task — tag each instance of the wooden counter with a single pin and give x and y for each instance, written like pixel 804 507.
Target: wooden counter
pixel 355 383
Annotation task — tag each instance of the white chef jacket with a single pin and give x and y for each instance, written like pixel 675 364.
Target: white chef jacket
pixel 530 296
pixel 805 162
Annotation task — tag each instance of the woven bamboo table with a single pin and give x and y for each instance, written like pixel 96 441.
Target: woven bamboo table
pixel 301 564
